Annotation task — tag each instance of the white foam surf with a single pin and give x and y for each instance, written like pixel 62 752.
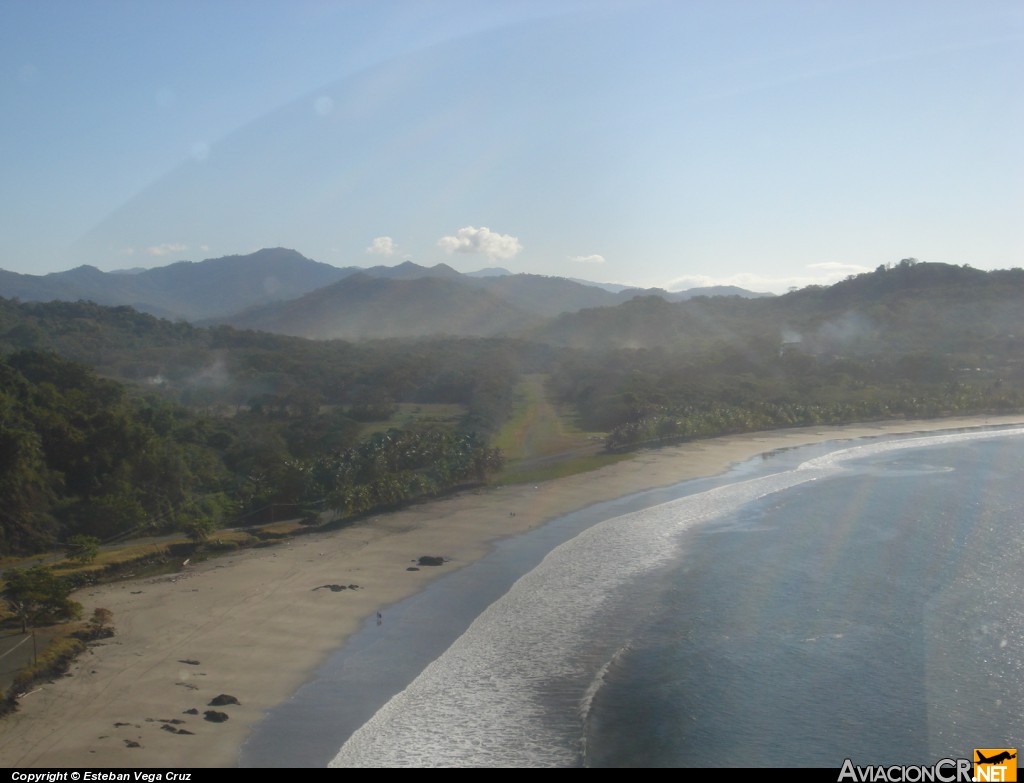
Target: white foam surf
pixel 510 690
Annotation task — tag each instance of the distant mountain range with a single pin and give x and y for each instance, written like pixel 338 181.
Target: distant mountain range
pixel 207 289
pixel 972 318
pixel 280 290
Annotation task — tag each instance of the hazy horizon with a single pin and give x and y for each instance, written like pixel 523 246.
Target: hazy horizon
pixel 490 270
pixel 655 144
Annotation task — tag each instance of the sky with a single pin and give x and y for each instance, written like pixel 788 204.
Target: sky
pixel 675 144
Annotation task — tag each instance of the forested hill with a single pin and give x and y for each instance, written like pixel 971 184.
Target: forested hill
pixel 963 317
pixel 87 459
pixel 207 426
pixel 230 369
pixel 113 421
pixel 914 340
pixel 905 308
pixel 364 307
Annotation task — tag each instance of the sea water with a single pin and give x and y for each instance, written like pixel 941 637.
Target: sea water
pixel 858 601
pixel 875 614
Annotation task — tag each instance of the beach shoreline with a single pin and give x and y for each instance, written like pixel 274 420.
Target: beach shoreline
pixel 254 625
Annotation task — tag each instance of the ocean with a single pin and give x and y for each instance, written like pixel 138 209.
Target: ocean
pixel 857 599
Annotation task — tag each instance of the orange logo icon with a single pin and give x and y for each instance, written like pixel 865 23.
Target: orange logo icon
pixel 998 765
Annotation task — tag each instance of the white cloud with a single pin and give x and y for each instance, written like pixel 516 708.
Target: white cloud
pixel 382 246
pixel 751 281
pixel 823 273
pixel 591 259
pixel 481 240
pixel 839 267
pixel 166 249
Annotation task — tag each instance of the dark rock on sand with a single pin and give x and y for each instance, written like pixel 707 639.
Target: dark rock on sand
pixel 215 717
pixel 174 730
pixel 220 701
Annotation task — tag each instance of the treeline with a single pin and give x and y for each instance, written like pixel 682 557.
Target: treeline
pixel 79 456
pixel 225 370
pixel 907 340
pixel 689 422
pixel 194 427
pixel 393 467
pixel 644 397
pixel 83 456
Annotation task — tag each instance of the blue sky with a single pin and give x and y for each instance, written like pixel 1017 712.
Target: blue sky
pixel 674 144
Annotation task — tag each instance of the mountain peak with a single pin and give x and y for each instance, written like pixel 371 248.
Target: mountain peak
pixel 85 270
pixel 491 271
pixel 443 269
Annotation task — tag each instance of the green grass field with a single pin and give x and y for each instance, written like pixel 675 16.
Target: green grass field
pixel 410 414
pixel 541 442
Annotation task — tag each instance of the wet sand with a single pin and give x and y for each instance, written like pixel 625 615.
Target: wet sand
pixel 254 626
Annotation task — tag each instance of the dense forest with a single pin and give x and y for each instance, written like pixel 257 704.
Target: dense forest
pixel 82 455
pixel 115 423
pixel 912 340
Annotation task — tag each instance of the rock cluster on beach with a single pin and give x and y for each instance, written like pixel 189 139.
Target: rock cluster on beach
pixel 176 725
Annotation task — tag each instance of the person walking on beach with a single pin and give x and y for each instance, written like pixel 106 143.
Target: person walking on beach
pixel 380 618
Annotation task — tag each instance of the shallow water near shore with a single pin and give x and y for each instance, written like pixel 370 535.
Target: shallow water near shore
pixel 736 620
pixel 381 660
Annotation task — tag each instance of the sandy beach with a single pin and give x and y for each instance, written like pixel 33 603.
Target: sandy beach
pixel 252 624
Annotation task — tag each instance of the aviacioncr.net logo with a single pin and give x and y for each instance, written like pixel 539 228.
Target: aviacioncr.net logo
pixel 942 771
